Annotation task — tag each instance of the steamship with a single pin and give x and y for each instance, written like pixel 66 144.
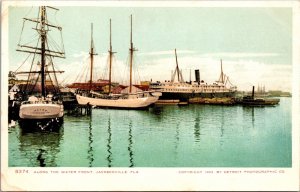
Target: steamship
pixel 182 91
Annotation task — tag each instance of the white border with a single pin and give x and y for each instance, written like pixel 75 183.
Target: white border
pixel 152 178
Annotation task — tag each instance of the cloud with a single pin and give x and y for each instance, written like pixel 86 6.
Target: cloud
pixel 169 52
pixel 82 54
pixel 79 70
pixel 242 73
pixel 208 55
pixel 239 55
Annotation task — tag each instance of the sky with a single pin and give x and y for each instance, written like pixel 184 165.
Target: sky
pixel 255 44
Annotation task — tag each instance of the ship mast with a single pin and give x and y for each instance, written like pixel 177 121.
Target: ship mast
pixel 177 67
pixel 190 76
pixel 92 57
pixel 43 48
pixel 222 74
pixel 131 49
pixel 110 56
pixel 179 74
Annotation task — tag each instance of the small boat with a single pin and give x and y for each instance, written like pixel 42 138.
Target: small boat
pixel 130 98
pixel 43 109
pixel 12 124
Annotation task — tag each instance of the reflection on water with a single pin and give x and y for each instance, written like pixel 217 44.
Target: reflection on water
pixel 176 139
pixel 197 128
pixel 90 150
pixel 109 158
pixel 130 145
pixel 157 110
pixel 40 148
pixel 249 111
pixel 165 136
pixel 40 157
pixel 222 127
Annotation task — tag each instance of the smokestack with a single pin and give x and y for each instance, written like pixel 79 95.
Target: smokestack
pixel 253 92
pixel 197 75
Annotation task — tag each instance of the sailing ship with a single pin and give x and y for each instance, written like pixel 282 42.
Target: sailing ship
pixel 43 107
pixel 130 97
pixel 182 91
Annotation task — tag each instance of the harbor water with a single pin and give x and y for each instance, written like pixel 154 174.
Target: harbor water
pixel 163 136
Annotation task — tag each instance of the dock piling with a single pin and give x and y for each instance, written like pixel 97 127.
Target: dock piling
pixel 80 110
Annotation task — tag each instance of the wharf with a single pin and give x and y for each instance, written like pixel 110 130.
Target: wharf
pixel 79 110
pixel 183 103
pixel 245 101
pixel 167 102
pixel 213 101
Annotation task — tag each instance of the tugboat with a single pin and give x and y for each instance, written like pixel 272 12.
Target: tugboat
pixel 252 101
pixel 43 109
pixel 130 98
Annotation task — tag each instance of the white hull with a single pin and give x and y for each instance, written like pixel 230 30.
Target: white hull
pixel 39 111
pixel 133 101
pixel 170 87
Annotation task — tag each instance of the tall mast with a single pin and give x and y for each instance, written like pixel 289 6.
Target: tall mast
pixel 190 76
pixel 92 57
pixel 222 75
pixel 110 56
pixel 179 73
pixel 43 48
pixel 177 68
pixel 132 49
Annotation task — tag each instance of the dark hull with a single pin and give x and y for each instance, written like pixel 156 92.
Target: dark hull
pixel 258 103
pixel 41 124
pixel 187 96
pixel 13 110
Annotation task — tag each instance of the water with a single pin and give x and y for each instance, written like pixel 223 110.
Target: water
pixel 168 136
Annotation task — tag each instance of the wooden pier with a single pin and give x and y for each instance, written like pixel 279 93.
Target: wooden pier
pixel 79 110
pixel 167 102
pixel 213 101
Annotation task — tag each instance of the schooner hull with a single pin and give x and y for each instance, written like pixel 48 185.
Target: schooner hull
pixel 128 103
